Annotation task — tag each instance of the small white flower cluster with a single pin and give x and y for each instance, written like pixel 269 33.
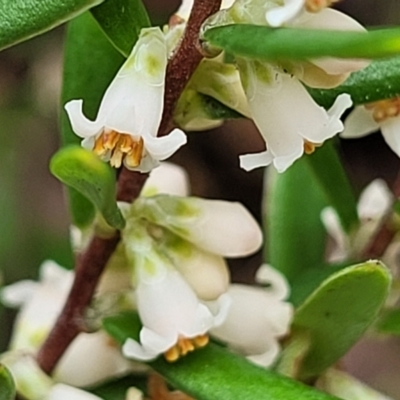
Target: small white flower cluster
pixel 272 94
pixel 172 258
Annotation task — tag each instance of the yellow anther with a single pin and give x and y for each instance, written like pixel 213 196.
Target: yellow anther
pixel 201 341
pixel 185 346
pixel 315 6
pixel 381 110
pixel 119 146
pixel 310 147
pixel 172 354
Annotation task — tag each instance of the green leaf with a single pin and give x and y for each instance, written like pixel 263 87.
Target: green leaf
pixel 214 373
pixel 23 19
pixel 265 43
pixel 337 313
pixel 121 21
pixel 389 322
pixel 380 80
pixel 7 386
pixel 329 173
pixel 116 390
pixel 85 172
pixel 90 64
pixel 294 231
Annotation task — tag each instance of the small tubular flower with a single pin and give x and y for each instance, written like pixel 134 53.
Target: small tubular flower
pixel 257 318
pixel 174 321
pixel 271 93
pixel 383 115
pixel 125 130
pixel 375 201
pixel 91 358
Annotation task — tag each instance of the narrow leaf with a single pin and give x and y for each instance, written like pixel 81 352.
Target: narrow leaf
pixel 380 80
pixel 265 43
pixel 294 231
pixel 23 19
pixel 95 179
pixel 339 312
pixel 329 173
pixel 7 386
pixel 121 21
pixel 90 64
pixel 214 373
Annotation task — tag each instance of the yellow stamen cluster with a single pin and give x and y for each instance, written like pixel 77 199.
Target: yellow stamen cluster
pixel 384 109
pixel 315 6
pixel 120 147
pixel 310 147
pixel 185 346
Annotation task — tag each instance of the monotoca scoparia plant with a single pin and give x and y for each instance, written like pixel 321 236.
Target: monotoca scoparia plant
pixel 144 305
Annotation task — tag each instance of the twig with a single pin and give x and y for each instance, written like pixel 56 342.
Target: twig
pixel 386 232
pixel 185 60
pixel 92 263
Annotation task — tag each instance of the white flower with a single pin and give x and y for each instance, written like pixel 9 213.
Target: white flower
pixel 289 120
pixel 65 392
pixel 126 126
pixel 174 321
pixel 91 358
pixel 375 201
pixel 168 178
pixel 257 318
pixel 383 115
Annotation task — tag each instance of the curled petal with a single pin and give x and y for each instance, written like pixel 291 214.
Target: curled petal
pixel 359 123
pixel 163 147
pixel 82 126
pixel 18 293
pixel 251 161
pixel 277 283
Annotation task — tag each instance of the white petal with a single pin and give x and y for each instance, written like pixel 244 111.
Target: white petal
pixel 316 77
pixel 359 123
pixel 168 178
pixel 163 147
pixel 220 227
pixel 206 273
pixel 65 392
pixel 18 293
pixel 332 224
pixel 167 306
pixel 330 19
pixel 133 102
pixel 82 126
pixel 89 360
pixel 255 319
pixel 250 161
pixel 283 14
pixel 277 283
pixel 390 130
pixel 266 359
pixel 134 394
pixel 375 200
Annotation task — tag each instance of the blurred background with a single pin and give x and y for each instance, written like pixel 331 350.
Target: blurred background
pixel 34 223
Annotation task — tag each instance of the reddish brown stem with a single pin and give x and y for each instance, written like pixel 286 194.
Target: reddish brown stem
pixel 185 60
pixel 386 233
pixel 91 264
